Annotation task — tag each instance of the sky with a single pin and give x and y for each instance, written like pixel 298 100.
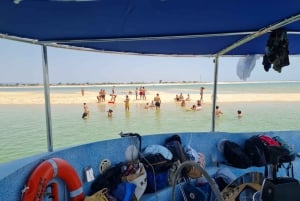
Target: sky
pixel 22 63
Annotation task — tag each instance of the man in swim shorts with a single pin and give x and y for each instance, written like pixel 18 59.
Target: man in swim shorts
pixel 157 101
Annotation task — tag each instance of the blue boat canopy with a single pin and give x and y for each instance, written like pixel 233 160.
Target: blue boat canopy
pixel 171 27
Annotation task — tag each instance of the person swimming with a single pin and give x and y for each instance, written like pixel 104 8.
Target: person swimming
pixel 194 107
pixel 109 113
pixel 239 114
pixel 218 111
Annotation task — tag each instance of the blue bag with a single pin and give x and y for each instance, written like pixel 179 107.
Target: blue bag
pixel 194 193
pixel 156 181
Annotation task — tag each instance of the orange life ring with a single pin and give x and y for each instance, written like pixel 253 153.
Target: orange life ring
pixel 47 170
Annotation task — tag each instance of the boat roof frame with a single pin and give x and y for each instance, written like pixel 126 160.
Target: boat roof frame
pixel 57 43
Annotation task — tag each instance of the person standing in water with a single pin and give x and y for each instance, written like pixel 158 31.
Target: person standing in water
pixel 86 111
pixel 126 103
pixel 201 94
pixel 157 101
pixel 136 93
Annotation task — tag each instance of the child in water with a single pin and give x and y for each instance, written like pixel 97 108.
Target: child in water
pixel 109 113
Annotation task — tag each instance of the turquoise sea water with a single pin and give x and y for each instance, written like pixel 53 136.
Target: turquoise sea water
pixel 23 128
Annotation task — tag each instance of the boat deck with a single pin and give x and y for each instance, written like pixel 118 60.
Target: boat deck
pixel 14 175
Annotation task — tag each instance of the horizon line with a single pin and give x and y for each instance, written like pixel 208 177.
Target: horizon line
pixel 138 83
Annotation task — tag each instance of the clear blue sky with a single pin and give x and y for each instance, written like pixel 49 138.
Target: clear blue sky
pixel 22 63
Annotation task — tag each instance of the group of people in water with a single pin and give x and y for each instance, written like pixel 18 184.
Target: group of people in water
pixel 140 92
pixel 180 98
pixel 101 96
pixel 156 102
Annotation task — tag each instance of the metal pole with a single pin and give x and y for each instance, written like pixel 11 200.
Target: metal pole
pixel 47 99
pixel 259 33
pixel 216 61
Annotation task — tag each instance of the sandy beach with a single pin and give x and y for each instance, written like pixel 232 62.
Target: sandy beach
pixel 90 97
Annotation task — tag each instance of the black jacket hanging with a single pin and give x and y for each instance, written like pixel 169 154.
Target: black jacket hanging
pixel 276 51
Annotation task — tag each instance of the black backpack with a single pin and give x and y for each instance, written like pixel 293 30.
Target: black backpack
pixel 255 149
pixel 174 144
pixel 235 155
pixel 110 179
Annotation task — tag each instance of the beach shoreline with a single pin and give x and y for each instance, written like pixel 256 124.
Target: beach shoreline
pixel 12 98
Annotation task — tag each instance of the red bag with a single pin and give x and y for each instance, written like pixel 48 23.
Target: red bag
pixel 269 141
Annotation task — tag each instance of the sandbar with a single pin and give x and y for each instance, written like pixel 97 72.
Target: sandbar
pixel 90 97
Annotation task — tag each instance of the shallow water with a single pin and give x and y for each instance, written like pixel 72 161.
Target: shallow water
pixel 23 128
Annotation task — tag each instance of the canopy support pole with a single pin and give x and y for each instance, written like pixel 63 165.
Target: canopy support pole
pixel 239 43
pixel 47 99
pixel 216 61
pixel 259 33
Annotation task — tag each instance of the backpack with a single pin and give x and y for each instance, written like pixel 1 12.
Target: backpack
pixel 110 179
pixel 290 150
pixel 192 192
pixel 235 155
pixel 255 149
pixel 267 142
pixel 173 143
pixel 157 161
pixel 284 144
pixel 156 181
